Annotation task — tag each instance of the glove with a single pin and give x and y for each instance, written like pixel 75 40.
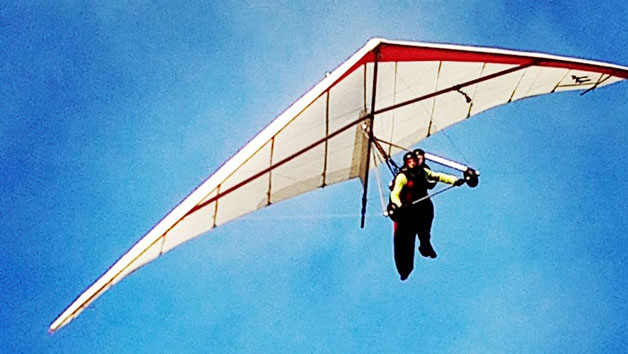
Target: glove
pixel 392 210
pixel 459 182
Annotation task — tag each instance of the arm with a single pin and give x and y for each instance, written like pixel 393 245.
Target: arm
pixel 400 181
pixel 440 177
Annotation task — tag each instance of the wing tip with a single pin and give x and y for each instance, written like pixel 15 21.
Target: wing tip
pixel 54 327
pixel 374 41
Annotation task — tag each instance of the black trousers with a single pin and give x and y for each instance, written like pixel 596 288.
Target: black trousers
pixel 416 221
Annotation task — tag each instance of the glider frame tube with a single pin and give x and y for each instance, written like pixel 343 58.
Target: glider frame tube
pixel 357 121
pixel 370 139
pixel 446 162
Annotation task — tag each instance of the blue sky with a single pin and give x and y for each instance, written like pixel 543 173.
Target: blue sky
pixel 112 113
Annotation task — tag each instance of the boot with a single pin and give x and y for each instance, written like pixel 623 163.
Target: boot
pixel 427 250
pixel 424 251
pixel 430 250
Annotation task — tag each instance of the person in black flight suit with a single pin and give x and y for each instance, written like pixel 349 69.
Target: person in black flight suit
pixel 411 218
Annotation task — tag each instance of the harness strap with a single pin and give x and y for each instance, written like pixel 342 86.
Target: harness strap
pixel 390 163
pixel 390 144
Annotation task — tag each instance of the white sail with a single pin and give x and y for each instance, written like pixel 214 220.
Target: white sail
pixel 419 89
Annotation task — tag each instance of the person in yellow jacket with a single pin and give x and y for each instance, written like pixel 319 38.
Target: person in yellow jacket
pixel 412 218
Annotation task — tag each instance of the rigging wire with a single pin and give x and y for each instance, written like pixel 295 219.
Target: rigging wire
pixel 378 140
pixel 303 217
pixel 338 215
pixel 390 163
pixel 458 150
pixel 391 144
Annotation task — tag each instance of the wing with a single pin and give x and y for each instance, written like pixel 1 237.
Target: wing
pixel 405 90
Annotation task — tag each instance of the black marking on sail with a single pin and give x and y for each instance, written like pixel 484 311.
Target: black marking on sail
pixel 599 81
pixel 580 79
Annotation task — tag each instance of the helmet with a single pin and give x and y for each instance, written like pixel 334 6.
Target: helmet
pixel 418 152
pixel 415 155
pixel 407 156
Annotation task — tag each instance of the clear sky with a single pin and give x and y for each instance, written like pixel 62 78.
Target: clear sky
pixel 111 112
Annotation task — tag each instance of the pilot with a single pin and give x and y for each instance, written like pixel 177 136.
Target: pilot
pixel 412 218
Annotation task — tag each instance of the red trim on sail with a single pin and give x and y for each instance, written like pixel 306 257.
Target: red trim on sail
pixel 406 53
pixel 390 52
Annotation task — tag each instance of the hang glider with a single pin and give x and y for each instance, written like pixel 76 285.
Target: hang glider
pixel 401 92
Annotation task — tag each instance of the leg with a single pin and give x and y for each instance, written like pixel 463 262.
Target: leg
pixel 423 229
pixel 404 248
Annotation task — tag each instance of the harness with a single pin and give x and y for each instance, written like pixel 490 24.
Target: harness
pixel 417 185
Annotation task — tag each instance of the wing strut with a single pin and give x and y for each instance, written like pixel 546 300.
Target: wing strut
pixel 370 140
